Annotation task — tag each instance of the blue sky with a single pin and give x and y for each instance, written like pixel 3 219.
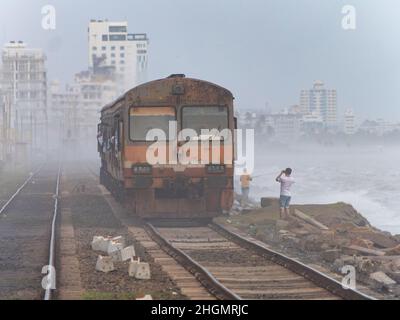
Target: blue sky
pixel 262 50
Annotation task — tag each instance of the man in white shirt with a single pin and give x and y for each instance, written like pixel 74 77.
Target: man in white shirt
pixel 286 181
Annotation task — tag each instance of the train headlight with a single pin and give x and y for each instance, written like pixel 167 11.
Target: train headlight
pixel 142 169
pixel 216 168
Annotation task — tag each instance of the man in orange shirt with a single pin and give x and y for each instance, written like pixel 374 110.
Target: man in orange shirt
pixel 245 179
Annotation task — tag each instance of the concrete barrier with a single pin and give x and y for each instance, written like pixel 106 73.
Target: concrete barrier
pixel 114 246
pixel 133 267
pixel 143 271
pixel 100 244
pixel 139 270
pixel 125 254
pixel 108 244
pixel 104 264
pixel 119 239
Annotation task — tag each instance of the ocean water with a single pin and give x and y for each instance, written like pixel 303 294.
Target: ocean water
pixel 366 177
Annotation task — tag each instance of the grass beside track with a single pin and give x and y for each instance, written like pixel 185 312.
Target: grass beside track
pixel 101 295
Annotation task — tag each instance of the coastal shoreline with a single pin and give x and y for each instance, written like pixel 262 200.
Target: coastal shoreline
pixel 328 237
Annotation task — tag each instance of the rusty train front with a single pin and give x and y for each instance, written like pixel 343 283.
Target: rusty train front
pixel 171 175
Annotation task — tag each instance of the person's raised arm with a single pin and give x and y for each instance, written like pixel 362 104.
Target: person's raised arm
pixel 279 177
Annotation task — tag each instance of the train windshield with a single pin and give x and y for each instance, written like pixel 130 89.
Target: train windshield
pixel 144 119
pixel 205 117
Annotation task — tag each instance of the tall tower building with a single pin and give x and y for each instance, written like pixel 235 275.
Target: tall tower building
pixel 320 101
pixel 349 122
pixel 111 45
pixel 24 83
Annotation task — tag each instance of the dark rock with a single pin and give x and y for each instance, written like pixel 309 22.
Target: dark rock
pixel 267 202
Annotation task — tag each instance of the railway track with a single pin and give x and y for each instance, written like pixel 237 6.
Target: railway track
pixel 20 188
pixel 234 267
pixel 27 236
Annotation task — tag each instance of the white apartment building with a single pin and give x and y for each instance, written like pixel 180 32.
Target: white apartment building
pixel 76 108
pixel 321 101
pixel 64 112
pixel 24 84
pixel 312 124
pixel 111 45
pixel 349 122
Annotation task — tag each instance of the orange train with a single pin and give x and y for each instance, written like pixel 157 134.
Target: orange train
pixel 167 187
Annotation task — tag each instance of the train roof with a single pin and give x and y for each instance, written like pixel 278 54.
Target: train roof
pixel 154 82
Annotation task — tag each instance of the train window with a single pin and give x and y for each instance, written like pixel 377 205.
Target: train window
pixel 205 117
pixel 144 119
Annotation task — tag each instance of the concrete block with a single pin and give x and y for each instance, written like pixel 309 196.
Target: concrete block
pixel 114 246
pixel 115 256
pixel 96 243
pixel 133 266
pixel 143 271
pixel 104 264
pixel 100 244
pixel 146 297
pixel 139 270
pixel 382 278
pixel 125 254
pixel 119 239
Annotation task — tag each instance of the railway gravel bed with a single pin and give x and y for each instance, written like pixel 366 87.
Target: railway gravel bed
pixel 92 215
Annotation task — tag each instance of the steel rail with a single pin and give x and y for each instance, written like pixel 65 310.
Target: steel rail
pixel 215 287
pixel 7 204
pixel 51 268
pixel 315 276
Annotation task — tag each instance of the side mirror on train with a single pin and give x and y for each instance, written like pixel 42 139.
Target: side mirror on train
pixel 235 120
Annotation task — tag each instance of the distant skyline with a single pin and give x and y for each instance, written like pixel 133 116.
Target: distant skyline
pixel 264 51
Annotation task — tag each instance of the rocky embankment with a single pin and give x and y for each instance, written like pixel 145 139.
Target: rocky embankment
pixel 332 236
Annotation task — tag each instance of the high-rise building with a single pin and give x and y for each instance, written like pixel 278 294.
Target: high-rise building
pixel 111 45
pixel 76 108
pixel 24 84
pixel 349 122
pixel 320 101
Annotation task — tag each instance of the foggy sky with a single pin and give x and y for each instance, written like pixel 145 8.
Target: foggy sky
pixel 262 50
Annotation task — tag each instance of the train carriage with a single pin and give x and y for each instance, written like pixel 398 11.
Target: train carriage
pixel 167 149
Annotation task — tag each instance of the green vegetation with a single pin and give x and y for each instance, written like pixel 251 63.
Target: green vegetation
pixel 98 295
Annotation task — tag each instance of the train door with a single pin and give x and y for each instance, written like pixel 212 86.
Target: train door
pixel 120 147
pixel 117 146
